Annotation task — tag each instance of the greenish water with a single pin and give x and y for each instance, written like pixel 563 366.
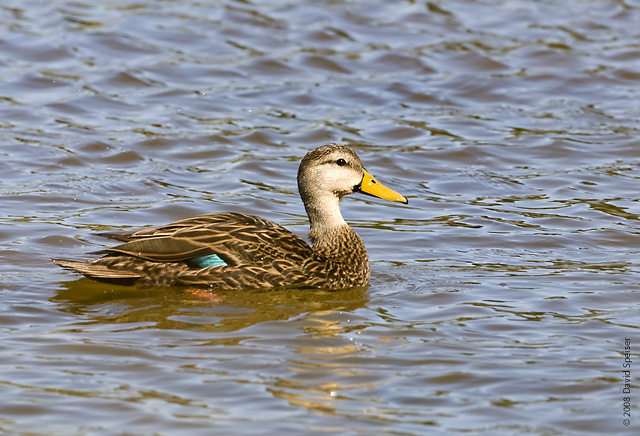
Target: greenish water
pixel 500 297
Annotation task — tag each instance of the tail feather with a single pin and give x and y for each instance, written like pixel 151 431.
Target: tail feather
pixel 95 271
pixel 118 236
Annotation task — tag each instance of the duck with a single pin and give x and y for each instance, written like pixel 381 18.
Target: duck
pixel 226 251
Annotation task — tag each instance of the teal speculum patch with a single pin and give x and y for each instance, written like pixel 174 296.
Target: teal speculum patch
pixel 207 261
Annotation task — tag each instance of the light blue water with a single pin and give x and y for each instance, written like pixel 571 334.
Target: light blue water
pixel 500 297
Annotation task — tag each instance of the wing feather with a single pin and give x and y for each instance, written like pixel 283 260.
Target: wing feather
pixel 238 239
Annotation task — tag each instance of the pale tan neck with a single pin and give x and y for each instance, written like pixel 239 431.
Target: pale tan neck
pixel 324 213
pixel 331 236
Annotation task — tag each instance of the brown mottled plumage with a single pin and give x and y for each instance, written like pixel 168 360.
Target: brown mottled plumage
pixel 256 253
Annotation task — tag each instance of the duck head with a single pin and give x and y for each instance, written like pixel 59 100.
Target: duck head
pixel 328 173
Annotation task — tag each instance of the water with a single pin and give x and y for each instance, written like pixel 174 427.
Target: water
pixel 500 297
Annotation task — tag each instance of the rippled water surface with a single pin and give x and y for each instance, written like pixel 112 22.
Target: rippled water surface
pixel 500 297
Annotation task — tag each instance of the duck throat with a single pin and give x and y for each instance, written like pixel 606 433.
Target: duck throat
pixel 331 236
pixel 324 213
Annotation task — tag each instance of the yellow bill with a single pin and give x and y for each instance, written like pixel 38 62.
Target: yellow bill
pixel 371 186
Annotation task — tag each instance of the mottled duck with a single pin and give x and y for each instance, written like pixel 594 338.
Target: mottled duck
pixel 238 251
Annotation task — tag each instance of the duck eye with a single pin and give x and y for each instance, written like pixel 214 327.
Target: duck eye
pixel 341 162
